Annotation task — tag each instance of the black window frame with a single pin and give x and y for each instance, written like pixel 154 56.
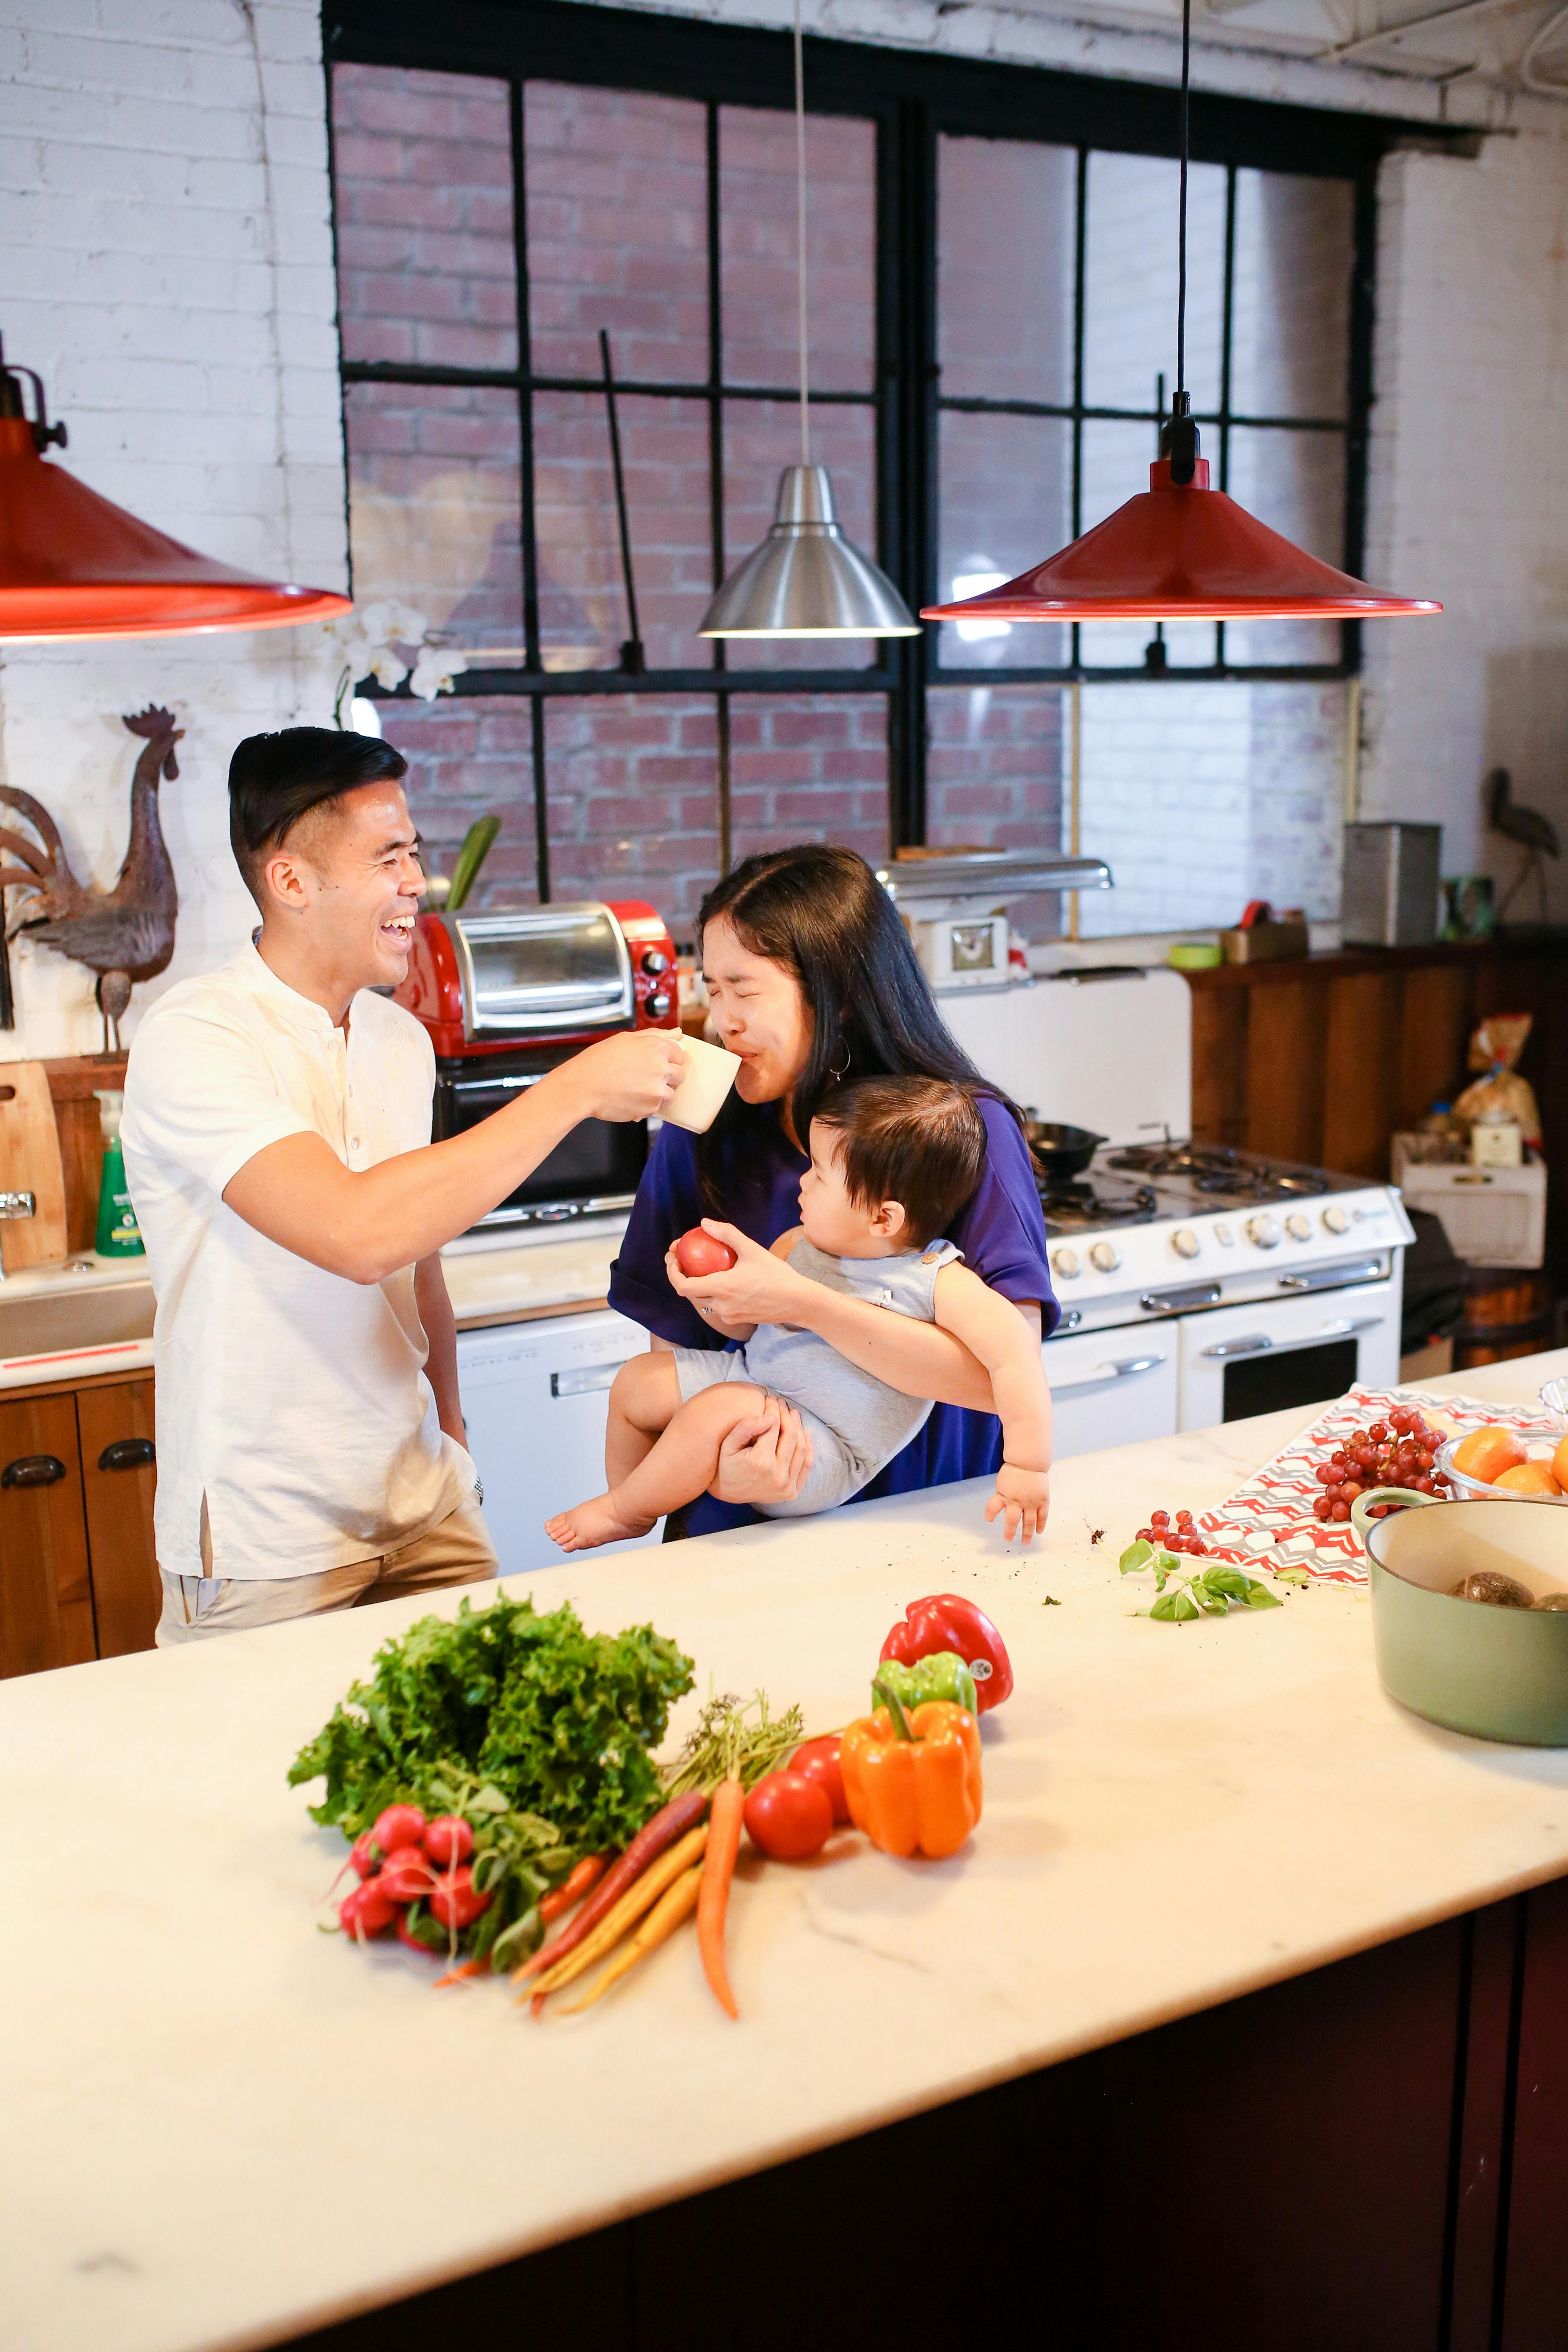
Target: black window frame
pixel 912 101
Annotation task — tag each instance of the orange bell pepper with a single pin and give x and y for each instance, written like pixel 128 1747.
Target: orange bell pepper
pixel 911 1777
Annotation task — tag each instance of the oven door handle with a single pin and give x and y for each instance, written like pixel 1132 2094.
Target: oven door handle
pixel 494 1086
pixel 1105 1375
pixel 1333 1277
pixel 1255 1343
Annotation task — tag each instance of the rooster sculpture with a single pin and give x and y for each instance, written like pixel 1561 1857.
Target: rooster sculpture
pixel 125 934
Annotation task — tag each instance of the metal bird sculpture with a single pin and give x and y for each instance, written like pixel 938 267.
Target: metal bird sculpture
pixel 1536 835
pixel 125 934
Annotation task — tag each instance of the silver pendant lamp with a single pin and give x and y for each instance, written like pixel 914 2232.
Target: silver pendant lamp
pixel 806 580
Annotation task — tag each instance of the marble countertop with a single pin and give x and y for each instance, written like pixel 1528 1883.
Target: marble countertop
pixel 491 1281
pixel 217 2130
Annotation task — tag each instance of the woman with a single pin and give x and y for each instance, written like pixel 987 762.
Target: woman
pixel 812 980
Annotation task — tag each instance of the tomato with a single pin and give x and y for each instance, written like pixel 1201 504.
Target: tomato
pixel 367 1911
pixel 789 1816
pixel 818 1762
pixel 697 1254
pixel 398 1825
pixel 405 1874
pixel 448 1840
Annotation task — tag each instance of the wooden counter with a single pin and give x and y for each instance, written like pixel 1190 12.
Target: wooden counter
pixel 1322 1058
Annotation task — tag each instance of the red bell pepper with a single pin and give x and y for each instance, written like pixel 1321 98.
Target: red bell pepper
pixel 946 1622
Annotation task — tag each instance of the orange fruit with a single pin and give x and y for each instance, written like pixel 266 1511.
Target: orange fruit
pixel 1560 1463
pixel 1486 1454
pixel 1528 1478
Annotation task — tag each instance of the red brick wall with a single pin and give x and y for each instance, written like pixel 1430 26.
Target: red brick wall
pixel 616 222
pixel 423 194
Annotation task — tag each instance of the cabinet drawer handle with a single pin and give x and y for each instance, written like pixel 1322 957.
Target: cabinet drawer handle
pixel 587 1382
pixel 33 1470
pixel 128 1454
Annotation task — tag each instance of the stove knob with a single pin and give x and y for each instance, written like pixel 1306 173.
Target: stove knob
pixel 1064 1263
pixel 1184 1241
pixel 1299 1229
pixel 1264 1232
pixel 1224 1237
pixel 653 962
pixel 1105 1257
pixel 658 1006
pixel 1336 1221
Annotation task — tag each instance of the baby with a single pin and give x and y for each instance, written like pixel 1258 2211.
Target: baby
pixel 892 1161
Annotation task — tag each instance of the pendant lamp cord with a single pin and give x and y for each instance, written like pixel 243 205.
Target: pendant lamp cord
pixel 1178 433
pixel 1182 215
pixel 800 229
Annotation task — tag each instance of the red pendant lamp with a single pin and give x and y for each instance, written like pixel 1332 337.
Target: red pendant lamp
pixel 73 565
pixel 1180 550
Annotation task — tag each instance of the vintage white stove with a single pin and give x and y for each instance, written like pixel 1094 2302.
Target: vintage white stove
pixel 1197 1285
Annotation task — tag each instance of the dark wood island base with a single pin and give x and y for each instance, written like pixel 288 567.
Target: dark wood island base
pixel 1369 2158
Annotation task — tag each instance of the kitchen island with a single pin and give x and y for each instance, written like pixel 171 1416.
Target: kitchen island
pixel 1237 2022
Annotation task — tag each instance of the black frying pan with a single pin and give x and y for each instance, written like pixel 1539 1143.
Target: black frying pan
pixel 1060 1152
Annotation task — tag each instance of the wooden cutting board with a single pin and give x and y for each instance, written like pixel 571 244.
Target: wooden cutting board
pixel 30 1162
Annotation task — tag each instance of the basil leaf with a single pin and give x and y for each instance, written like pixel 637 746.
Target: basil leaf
pixel 1136 1556
pixel 1259 1597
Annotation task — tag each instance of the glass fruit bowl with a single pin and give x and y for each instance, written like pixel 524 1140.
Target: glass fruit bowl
pixel 1480 1490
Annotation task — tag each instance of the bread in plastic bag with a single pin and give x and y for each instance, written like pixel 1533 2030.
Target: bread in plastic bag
pixel 1496 1047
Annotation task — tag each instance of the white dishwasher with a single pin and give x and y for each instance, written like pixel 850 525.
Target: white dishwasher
pixel 536 1397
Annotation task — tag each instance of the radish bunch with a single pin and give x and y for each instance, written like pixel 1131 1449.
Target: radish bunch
pixel 401 1860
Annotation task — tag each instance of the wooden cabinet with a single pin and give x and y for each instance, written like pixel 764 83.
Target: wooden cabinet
pixel 1322 1058
pixel 77 1575
pixel 46 1595
pixel 119 1474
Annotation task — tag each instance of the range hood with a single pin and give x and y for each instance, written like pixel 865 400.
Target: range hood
pixel 936 882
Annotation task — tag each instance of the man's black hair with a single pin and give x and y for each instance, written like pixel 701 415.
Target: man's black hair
pixel 274 780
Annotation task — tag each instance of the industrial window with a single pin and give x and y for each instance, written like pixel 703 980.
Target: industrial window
pixel 992 281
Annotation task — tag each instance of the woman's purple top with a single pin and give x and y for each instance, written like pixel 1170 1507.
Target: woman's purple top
pixel 1001 1231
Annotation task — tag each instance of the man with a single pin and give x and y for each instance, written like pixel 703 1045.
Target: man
pixel 276 1139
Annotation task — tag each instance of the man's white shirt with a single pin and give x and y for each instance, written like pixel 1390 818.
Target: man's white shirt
pixel 294 1400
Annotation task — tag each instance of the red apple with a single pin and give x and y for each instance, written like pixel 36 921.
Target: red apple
pixel 697 1254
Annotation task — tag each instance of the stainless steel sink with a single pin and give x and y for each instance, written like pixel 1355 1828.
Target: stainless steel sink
pixel 74 1318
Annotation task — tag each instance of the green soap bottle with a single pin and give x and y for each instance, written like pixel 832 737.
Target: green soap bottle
pixel 118 1234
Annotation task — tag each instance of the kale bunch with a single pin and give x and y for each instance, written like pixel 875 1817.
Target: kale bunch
pixel 558 1723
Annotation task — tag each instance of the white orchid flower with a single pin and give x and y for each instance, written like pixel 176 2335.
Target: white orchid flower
pixel 377 621
pixel 387 669
pixel 409 626
pixel 435 671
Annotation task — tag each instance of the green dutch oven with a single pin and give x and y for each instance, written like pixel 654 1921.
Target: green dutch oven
pixel 1500 1674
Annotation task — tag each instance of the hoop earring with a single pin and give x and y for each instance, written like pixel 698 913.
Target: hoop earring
pixel 837 1073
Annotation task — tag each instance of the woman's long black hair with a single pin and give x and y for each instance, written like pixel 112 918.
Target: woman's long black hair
pixel 820 912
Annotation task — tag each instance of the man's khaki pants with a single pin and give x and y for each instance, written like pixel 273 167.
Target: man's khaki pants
pixel 458 1552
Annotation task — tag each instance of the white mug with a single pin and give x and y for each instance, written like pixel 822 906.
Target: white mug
pixel 710 1074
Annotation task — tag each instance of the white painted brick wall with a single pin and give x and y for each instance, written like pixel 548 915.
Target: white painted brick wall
pixel 166 265
pixel 1470 495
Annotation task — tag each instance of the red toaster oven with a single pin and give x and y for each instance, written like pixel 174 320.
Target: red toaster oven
pixel 508 994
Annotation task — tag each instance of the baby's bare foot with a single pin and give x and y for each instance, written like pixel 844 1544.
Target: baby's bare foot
pixel 598 1522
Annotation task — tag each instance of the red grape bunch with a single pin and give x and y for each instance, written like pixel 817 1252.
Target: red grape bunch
pixel 1183 1537
pixel 1399 1452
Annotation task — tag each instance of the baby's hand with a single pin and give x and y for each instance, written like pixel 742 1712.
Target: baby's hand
pixel 1025 1496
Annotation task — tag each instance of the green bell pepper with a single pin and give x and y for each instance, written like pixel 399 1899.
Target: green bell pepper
pixel 941 1675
